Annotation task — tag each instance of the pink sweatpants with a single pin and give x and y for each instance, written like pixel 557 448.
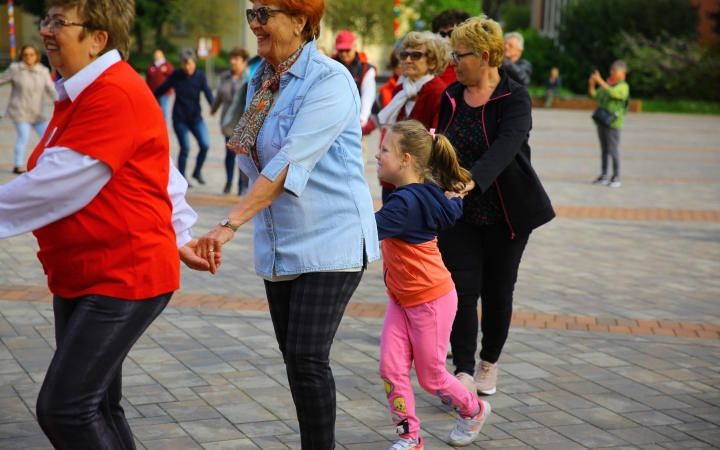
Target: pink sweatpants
pixel 420 333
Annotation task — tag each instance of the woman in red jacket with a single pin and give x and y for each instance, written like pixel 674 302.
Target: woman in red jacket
pixel 423 56
pixel 108 210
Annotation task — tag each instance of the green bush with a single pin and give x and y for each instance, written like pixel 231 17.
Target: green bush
pixel 544 55
pixel 516 17
pixel 590 31
pixel 671 68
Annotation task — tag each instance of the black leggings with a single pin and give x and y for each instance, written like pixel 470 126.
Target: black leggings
pixel 78 407
pixel 306 314
pixel 484 262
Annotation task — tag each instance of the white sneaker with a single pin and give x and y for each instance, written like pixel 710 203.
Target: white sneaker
pixel 408 444
pixel 486 378
pixel 467 430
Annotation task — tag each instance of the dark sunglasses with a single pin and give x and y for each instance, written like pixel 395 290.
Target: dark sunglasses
pixel 445 34
pixel 262 14
pixel 415 56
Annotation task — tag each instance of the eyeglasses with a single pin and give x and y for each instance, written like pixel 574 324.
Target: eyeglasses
pixel 415 56
pixel 262 14
pixel 446 34
pixel 54 25
pixel 456 58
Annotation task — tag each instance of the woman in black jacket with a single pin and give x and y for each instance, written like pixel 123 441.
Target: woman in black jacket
pixel 487 118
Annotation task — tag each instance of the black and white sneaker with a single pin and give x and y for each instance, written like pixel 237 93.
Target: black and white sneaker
pixel 602 180
pixel 615 182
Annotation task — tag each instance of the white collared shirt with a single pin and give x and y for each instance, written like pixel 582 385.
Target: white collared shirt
pixel 65 181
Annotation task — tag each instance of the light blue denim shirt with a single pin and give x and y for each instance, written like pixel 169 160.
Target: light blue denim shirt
pixel 324 220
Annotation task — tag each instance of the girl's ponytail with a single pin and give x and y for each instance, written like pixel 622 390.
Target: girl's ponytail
pixel 447 172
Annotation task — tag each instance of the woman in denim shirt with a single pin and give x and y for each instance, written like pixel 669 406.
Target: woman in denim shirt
pixel 314 227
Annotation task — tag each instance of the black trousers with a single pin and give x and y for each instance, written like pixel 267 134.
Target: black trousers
pixel 306 314
pixel 78 407
pixel 483 262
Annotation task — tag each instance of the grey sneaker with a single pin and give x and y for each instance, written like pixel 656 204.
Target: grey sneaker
pixel 486 378
pixel 467 430
pixel 615 182
pixel 602 180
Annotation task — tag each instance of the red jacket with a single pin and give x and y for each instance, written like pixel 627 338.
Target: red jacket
pixel 122 244
pixel 156 75
pixel 448 77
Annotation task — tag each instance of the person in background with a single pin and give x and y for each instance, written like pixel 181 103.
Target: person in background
pixel 157 72
pixel 421 294
pixel 443 24
pixel 423 56
pixel 613 95
pixel 109 213
pixel 517 68
pixel 385 93
pixel 231 81
pixel 189 82
pixel 553 86
pixel 361 70
pixel 487 118
pixel 30 82
pixel 314 228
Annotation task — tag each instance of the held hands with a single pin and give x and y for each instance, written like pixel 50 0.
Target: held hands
pixel 188 256
pixel 209 248
pixel 466 190
pixel 595 77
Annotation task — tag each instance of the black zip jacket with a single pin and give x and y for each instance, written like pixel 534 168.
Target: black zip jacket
pixel 507 120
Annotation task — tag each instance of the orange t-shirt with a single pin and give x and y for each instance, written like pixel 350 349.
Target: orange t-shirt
pixel 122 244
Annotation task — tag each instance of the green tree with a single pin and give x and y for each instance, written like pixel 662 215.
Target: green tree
pixel 428 9
pixel 371 20
pixel 590 30
pixel 35 7
pixel 516 17
pixel 208 17
pixel 150 17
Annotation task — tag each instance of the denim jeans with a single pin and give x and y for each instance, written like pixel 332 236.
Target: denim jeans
pixel 230 165
pixel 199 130
pixel 78 407
pixel 23 136
pixel 165 105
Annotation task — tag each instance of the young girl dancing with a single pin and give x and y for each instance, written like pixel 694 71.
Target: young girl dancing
pixel 422 294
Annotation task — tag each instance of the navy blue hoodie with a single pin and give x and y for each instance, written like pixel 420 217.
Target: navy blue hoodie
pixel 408 224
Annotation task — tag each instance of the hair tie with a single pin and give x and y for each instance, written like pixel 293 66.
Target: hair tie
pixel 432 133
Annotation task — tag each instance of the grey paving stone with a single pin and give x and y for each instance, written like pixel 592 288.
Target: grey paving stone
pixel 589 436
pixel 211 430
pixel 651 418
pixel 640 436
pixel 184 443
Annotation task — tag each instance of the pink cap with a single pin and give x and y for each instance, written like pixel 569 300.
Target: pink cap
pixel 345 40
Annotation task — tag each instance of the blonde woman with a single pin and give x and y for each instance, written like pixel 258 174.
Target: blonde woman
pixel 487 118
pixel 30 82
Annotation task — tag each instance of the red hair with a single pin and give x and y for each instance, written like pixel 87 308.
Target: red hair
pixel 312 9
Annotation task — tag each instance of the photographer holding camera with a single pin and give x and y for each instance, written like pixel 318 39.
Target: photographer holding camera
pixel 613 96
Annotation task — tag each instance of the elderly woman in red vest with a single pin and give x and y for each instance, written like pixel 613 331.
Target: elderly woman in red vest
pixel 423 57
pixel 108 211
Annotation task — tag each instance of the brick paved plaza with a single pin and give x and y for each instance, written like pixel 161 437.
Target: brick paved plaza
pixel 615 343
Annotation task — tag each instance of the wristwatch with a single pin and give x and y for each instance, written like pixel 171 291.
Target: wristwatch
pixel 226 223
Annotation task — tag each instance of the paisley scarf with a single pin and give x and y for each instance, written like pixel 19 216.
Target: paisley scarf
pixel 244 138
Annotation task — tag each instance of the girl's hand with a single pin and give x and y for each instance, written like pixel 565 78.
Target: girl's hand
pixel 450 194
pixel 468 187
pixel 210 246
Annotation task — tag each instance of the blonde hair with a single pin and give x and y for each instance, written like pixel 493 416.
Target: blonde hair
pixel 438 50
pixel 481 34
pixel 433 159
pixel 116 17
